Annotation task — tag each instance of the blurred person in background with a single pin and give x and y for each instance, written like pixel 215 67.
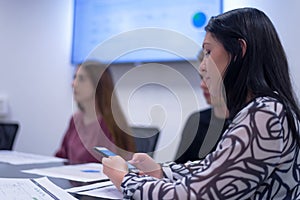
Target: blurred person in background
pixel 99 120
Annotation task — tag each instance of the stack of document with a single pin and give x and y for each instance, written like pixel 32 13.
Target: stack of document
pixel 88 172
pixel 44 189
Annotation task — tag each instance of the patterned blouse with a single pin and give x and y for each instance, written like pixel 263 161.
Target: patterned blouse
pixel 256 158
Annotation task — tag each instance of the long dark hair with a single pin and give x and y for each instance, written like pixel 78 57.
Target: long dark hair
pixel 262 70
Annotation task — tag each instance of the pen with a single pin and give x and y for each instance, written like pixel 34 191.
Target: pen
pixel 91 170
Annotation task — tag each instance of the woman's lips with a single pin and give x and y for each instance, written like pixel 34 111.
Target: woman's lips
pixel 206 94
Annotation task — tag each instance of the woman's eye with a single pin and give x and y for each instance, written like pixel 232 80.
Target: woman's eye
pixel 206 52
pixel 80 78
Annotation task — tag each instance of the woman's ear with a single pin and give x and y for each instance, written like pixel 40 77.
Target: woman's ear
pixel 243 45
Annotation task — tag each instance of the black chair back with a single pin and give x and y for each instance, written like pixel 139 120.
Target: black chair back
pixel 146 139
pixel 8 132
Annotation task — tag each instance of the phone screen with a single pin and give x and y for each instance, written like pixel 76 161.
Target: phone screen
pixel 106 153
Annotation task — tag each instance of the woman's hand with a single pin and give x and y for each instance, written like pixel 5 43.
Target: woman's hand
pixel 115 167
pixel 146 165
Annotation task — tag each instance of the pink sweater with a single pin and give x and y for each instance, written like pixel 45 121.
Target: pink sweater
pixel 79 140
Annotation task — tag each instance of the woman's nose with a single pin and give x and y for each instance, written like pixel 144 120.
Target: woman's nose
pixel 202 67
pixel 73 83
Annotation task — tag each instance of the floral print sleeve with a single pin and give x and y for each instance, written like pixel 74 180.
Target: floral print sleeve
pixel 256 158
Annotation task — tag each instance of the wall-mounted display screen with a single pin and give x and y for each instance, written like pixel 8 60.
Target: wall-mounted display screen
pixel 140 31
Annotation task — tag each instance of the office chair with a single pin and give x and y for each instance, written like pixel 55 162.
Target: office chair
pixel 200 134
pixel 145 139
pixel 8 132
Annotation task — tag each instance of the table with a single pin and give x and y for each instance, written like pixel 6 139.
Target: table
pixel 14 171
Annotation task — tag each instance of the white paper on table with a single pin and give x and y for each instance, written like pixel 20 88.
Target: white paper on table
pixel 89 187
pixel 20 158
pixel 30 189
pixel 110 192
pixel 87 172
pixel 103 189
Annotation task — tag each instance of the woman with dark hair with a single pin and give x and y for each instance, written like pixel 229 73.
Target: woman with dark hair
pixel 99 121
pixel 257 156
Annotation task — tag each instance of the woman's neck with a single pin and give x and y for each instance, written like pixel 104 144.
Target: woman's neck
pixel 221 111
pixel 220 107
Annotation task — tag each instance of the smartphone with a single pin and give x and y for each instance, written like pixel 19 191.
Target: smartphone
pixel 106 153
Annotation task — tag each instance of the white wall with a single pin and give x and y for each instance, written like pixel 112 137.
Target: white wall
pixel 35 73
